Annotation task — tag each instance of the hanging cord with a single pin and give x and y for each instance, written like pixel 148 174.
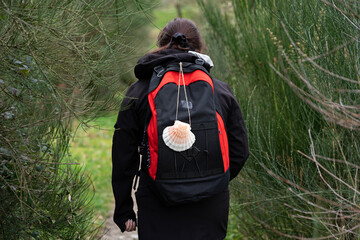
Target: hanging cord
pixel 178 94
pixel 181 75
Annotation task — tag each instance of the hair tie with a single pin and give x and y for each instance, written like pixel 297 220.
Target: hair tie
pixel 180 38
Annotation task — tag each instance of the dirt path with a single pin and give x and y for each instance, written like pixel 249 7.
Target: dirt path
pixel 112 231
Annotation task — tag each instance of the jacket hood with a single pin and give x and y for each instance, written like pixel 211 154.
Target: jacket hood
pixel 145 66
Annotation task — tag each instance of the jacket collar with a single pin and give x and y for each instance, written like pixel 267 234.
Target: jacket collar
pixel 145 66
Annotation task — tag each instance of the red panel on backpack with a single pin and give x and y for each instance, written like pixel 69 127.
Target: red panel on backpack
pixel 153 137
pixel 173 77
pixel 223 141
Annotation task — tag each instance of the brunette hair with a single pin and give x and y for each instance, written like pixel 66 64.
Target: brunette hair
pixel 184 26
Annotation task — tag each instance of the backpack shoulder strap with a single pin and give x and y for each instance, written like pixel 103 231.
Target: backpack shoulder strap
pixel 159 72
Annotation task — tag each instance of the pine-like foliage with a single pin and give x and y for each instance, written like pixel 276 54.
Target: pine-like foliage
pixel 294 66
pixel 59 60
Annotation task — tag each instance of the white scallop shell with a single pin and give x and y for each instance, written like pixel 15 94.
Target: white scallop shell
pixel 178 137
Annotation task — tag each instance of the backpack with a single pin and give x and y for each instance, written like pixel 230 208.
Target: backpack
pixel 183 91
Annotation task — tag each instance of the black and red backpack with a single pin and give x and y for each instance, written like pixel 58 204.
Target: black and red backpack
pixel 202 170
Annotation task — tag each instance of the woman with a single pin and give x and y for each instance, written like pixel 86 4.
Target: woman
pixel 205 219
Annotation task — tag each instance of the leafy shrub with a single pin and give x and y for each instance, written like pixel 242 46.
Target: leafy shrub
pixel 294 66
pixel 60 60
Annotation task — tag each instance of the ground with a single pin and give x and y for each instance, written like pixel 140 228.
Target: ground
pixel 112 231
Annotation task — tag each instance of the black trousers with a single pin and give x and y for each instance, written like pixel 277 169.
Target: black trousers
pixel 206 219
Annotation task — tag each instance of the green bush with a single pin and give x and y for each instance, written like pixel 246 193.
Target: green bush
pixel 294 67
pixel 60 60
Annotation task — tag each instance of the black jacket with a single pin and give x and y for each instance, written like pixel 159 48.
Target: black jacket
pixel 129 129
